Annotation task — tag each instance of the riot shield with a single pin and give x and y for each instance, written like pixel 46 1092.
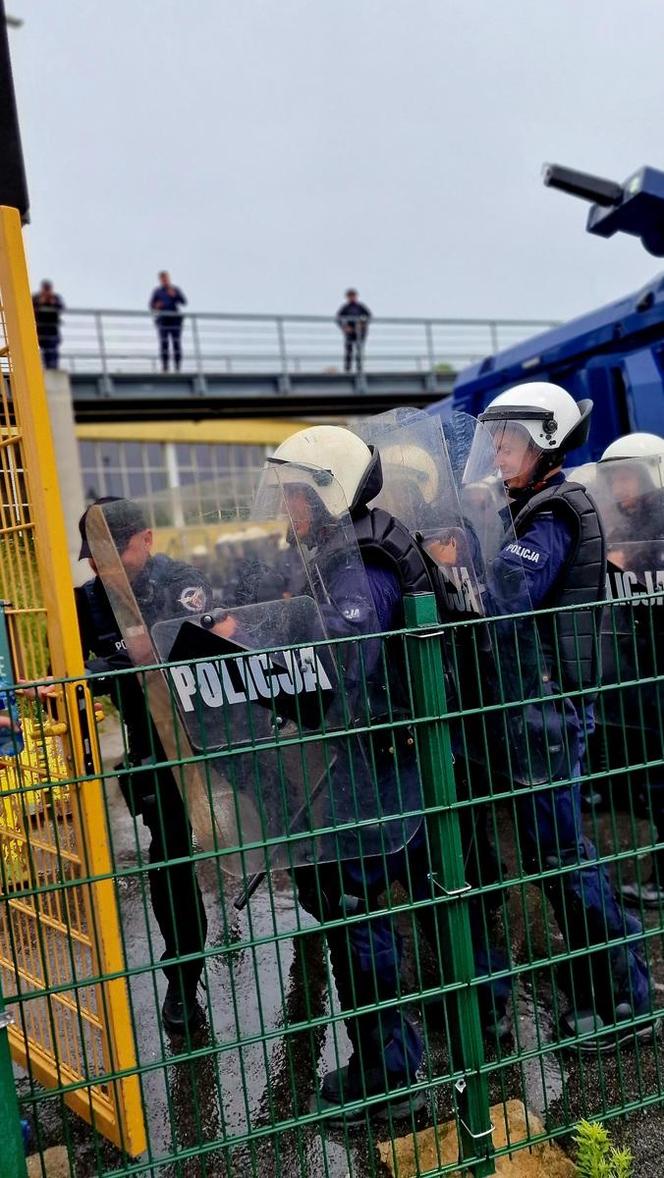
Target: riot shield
pixel 538 730
pixel 458 508
pixel 629 495
pixel 420 488
pixel 266 686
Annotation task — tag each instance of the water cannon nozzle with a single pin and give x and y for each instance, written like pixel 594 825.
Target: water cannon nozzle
pixel 606 193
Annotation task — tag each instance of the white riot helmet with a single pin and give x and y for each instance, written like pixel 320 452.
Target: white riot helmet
pixel 551 418
pixel 635 446
pixel 338 466
pixel 634 468
pixel 412 464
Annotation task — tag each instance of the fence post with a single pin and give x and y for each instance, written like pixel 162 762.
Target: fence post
pixel 105 381
pixel 13 1152
pixel 200 383
pixel 432 383
pixel 284 379
pixel 447 865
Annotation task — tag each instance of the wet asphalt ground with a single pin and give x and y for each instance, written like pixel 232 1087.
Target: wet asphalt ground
pixel 222 1092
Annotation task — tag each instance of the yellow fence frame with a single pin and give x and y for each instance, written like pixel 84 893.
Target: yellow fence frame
pixel 117 1110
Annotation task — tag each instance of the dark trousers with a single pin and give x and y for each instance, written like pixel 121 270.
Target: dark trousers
pixel 353 343
pixel 653 801
pixel 583 900
pixel 366 955
pixel 172 331
pixel 633 738
pixel 50 351
pixel 176 897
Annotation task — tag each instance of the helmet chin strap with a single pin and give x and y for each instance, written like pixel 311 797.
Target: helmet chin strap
pixel 547 462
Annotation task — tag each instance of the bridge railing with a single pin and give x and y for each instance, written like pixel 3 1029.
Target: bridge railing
pixel 117 342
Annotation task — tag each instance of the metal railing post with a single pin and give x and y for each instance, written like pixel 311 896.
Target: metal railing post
pixel 200 383
pixel 431 377
pixel 448 876
pixel 493 329
pixel 13 1153
pixel 284 378
pixel 105 381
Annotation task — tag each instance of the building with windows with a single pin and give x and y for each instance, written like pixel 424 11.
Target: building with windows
pixel 151 461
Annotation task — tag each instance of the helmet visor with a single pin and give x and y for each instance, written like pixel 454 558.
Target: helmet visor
pixel 504 447
pixel 305 503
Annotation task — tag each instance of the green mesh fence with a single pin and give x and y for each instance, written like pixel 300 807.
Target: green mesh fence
pixel 489 962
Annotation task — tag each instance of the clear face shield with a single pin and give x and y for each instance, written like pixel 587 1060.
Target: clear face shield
pixel 626 487
pixel 629 495
pixel 308 496
pixel 517 456
pixel 420 489
pixel 497 451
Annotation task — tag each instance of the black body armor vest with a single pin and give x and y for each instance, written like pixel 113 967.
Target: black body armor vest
pixel 385 539
pixel 571 639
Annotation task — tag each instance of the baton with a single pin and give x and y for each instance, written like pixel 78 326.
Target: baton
pixel 243 897
pixel 255 881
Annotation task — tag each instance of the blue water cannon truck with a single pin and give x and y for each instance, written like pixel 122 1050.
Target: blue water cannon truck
pixel 614 355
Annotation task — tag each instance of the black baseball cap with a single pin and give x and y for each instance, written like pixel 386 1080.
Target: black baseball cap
pixel 124 520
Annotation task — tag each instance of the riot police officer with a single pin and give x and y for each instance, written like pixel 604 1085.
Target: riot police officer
pixel 633 509
pixel 558 559
pixel 630 476
pixel 365 955
pixel 162 587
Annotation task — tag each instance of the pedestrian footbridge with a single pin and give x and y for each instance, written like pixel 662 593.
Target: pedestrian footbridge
pixel 267 365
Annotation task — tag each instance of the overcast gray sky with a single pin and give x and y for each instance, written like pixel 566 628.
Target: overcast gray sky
pixel 272 152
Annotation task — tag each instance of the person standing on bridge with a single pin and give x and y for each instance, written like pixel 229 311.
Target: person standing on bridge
pixel 166 301
pixel 353 319
pixel 48 306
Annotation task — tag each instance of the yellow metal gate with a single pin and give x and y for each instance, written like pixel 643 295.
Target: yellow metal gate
pixel 74 1030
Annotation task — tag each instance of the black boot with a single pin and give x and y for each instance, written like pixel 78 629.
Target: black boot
pixel 385 1066
pixel 607 1034
pixel 496 1025
pixel 591 800
pixel 182 1012
pixel 342 1086
pixel 650 893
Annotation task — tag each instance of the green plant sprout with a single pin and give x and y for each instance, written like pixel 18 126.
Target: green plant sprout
pixel 597 1157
